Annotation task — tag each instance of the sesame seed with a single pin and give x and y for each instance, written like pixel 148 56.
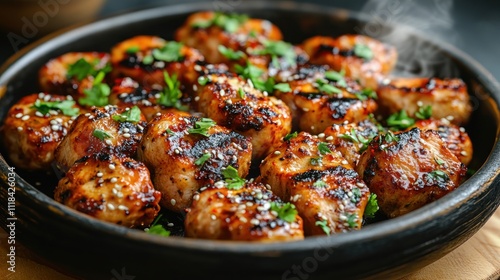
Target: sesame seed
pixel 55 127
pixel 19 115
pixel 172 201
pixel 140 127
pixel 126 130
pixel 176 151
pixel 312 127
pixel 111 166
pixel 277 153
pixel 329 138
pixel 254 222
pixel 265 93
pixel 158 114
pixel 197 68
pixel 463 153
pixel 344 162
pixel 268 186
pixel 111 206
pixel 100 181
pixel 170 224
pixel 59 120
pixel 243 219
pixel 450 118
pixel 53 122
pixel 25 118
pixel 19 128
pixel 359 184
pixel 321 135
pixel 213 217
pixel 99 174
pixel 462 129
pixel 180 149
pixel 108 142
pixel 197 98
pixel 126 135
pixel 420 103
pixel 229 101
pixel 196 197
pixel 69 97
pixel 38 114
pixel 46 98
pixel 222 92
pixel 249 204
pixel 195 87
pixel 113 180
pixel 305 109
pixel 41 95
pixel 123 207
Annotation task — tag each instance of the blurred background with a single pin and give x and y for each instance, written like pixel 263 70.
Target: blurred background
pixel 472 26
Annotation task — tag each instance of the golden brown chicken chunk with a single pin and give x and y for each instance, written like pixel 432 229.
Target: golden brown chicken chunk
pixel 145 58
pixel 409 170
pixel 329 195
pixel 110 188
pixel 363 58
pixel 250 213
pixel 34 126
pixel 448 98
pixel 319 98
pixel 74 73
pixel 108 129
pixel 456 138
pixel 185 153
pixel 235 104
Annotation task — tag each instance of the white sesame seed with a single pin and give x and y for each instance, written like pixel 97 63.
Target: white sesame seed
pixel 462 129
pixel 126 130
pixel 180 149
pixel 450 118
pixel 100 181
pixel 197 98
pixel 344 162
pixel 69 97
pixel 329 138
pixel 111 206
pixel 195 87
pixel 213 217
pixel 123 207
pixel 111 166
pixel 46 98
pixel 463 153
pixel 41 95
pixel 158 114
pixel 265 93
pixel 176 151
pixel 25 118
pixel 19 115
pixel 19 128
pixel 229 101
pixel 99 174
pixel 277 153
pixel 420 103
pixel 196 197
pixel 254 222
pixel 243 220
pixel 59 120
pixel 126 135
pixel 38 114
pixel 113 180
pixel 321 135
pixel 108 142
pixel 55 127
pixel 312 127
pixel 268 186
pixel 170 224
pixel 305 109
pixel 172 201
pixel 197 68
pixel 222 92
pixel 53 122
pixel 359 184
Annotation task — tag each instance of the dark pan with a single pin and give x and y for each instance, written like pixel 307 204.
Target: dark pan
pixel 87 248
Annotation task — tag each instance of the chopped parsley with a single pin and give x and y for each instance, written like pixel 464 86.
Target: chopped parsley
pixel 323 148
pixel 371 207
pixel 157 228
pixel 320 184
pixel 438 175
pixel 201 127
pixel 287 211
pixel 324 226
pixel 132 115
pixel 351 220
pixel 363 51
pixel 65 106
pixel 290 136
pixel 98 94
pixel 241 93
pixel 101 134
pixel 233 180
pixel 277 49
pixel 439 161
pixel 132 50
pixel 365 94
pixel 255 74
pixel 170 52
pixel 424 112
pixel 283 87
pixel 148 59
pixel 390 137
pixel 81 69
pixel 316 161
pixel 354 137
pixel 323 86
pixel 229 22
pixel 202 159
pixel 400 121
pixel 171 92
pixel 230 53
pixel 169 131
pixel 337 77
pixel 202 80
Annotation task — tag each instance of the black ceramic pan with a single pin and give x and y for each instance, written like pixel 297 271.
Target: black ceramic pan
pixel 87 248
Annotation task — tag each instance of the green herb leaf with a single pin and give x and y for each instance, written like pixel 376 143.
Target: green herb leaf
pixel 82 69
pixel 438 175
pixel 230 53
pixel 324 226
pixel 156 228
pixel 229 22
pixel 98 94
pixel 287 211
pixel 170 52
pixel 371 207
pixel 356 195
pixel 65 106
pixel 424 112
pixel 390 137
pixel 171 94
pixel 202 159
pixel 277 49
pixel 148 59
pixel 324 86
pixel 290 136
pixel 400 121
pixel 133 115
pixel 363 51
pixel 316 161
pixel 320 184
pixel 132 50
pixel 337 77
pixel 365 94
pixel 439 161
pixel 202 80
pixel 351 220
pixel 323 148
pixel 355 137
pixel 201 127
pixel 101 134
pixel 283 87
pixel 169 131
pixel 232 178
pixel 241 93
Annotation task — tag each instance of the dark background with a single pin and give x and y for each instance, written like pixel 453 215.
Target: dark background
pixel 472 26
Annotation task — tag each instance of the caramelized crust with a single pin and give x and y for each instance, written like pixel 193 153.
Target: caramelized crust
pixel 110 188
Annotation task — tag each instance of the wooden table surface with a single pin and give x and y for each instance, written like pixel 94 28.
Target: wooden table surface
pixel 478 258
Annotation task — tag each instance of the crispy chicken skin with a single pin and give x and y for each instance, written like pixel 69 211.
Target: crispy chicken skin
pixel 351 139
pixel 315 108
pixel 32 137
pixel 128 93
pixel 448 98
pixel 171 152
pixel 363 58
pixel 83 136
pixel 248 34
pixel 110 188
pixel 243 215
pixel 409 170
pixel 456 138
pixel 130 59
pixel 233 103
pixel 322 185
pixel 54 77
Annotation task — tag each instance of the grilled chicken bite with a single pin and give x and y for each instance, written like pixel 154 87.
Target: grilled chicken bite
pixel 185 153
pixel 110 188
pixel 73 73
pixel 351 139
pixel 108 129
pixel 129 93
pixel 145 58
pixel 34 126
pixel 456 138
pixel 409 170
pixel 233 103
pixel 448 98
pixel 250 213
pixel 328 193
pixel 363 58
pixel 206 31
pixel 320 98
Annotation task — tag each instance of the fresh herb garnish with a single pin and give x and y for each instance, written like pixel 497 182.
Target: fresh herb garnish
pixel 228 22
pixel 400 121
pixel 132 115
pixel 277 49
pixel 101 134
pixel 354 137
pixel 363 51
pixel 132 50
pixel 230 53
pixel 241 93
pixel 424 112
pixel 201 127
pixel 438 175
pixel 316 161
pixel 323 86
pixel 371 206
pixel 82 69
pixel 324 226
pixel 171 94
pixel 337 77
pixel 202 159
pixel 287 211
pixel 98 94
pixel 439 161
pixel 283 87
pixel 202 80
pixel 320 184
pixel 323 148
pixel 169 131
pixel 148 59
pixel 351 220
pixel 390 137
pixel 290 136
pixel 365 94
pixel 170 52
pixel 233 180
pixel 356 195
pixel 156 228
pixel 65 106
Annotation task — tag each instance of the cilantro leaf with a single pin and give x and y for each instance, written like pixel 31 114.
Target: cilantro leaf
pixel 324 86
pixel 98 94
pixel 232 178
pixel 101 134
pixel 133 115
pixel 132 49
pixel 320 184
pixel 65 106
pixel 287 211
pixel 82 69
pixel 283 87
pixel 363 51
pixel 355 137
pixel 148 59
pixel 277 49
pixel 229 22
pixel 170 52
pixel 438 175
pixel 157 228
pixel 241 93
pixel 337 77
pixel 230 53
pixel 202 80
pixel 424 112
pixel 371 207
pixel 316 161
pixel 203 159
pixel 365 94
pixel 351 220
pixel 290 136
pixel 323 148
pixel 201 127
pixel 400 121
pixel 439 161
pixel 324 226
pixel 171 92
